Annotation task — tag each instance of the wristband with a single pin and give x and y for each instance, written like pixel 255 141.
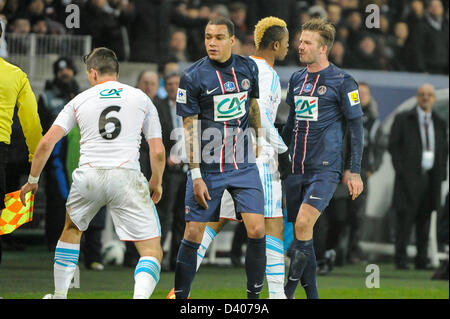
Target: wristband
pixel 33 180
pixel 196 173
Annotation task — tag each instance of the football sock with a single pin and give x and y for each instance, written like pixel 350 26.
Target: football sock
pixel 208 236
pixel 66 261
pixel 308 279
pixel 275 265
pixel 186 268
pixel 255 265
pixel 146 277
pixel 299 258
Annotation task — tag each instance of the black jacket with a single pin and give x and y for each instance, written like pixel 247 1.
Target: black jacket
pixel 405 147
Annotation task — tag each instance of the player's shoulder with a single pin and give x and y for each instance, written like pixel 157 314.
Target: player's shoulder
pixel 299 75
pixel 246 61
pixel 192 71
pixel 339 75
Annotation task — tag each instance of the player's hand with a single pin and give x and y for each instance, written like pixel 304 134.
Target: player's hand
pixel 25 189
pixel 355 185
pixel 284 164
pixel 201 192
pixel 155 190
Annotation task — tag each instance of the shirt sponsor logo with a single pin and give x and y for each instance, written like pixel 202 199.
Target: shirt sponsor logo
pixel 229 106
pixel 110 94
pixel 353 97
pixel 306 108
pixel 181 96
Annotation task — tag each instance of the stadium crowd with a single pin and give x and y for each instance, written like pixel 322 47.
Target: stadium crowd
pixel 412 35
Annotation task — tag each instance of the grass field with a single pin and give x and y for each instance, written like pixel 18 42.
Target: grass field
pixel 29 275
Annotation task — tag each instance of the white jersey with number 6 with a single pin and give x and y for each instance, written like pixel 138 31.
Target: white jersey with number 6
pixel 111 117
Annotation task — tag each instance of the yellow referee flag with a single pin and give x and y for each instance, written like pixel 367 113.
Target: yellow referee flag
pixel 15 214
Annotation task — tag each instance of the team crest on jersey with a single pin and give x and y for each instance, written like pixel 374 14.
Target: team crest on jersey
pixel 245 84
pixel 322 90
pixel 229 86
pixel 229 106
pixel 110 93
pixel 308 87
pixel 306 108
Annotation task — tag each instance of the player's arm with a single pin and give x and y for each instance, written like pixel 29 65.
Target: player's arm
pixel 272 136
pixel 192 150
pixel 43 151
pixel 351 107
pixel 157 162
pixel 255 121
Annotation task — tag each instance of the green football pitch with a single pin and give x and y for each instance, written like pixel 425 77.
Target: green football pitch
pixel 29 275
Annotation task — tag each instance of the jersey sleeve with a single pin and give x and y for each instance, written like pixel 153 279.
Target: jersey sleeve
pixel 289 125
pixel 349 96
pixel 152 126
pixel 255 85
pixel 67 118
pixel 187 97
pixel 290 93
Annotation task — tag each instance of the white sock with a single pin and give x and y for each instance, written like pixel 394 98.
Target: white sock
pixel 275 265
pixel 66 261
pixel 208 237
pixel 146 277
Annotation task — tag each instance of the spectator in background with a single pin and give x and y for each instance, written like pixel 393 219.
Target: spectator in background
pixel 334 13
pixel 238 14
pixel 168 66
pixel 39 25
pixel 177 45
pixel 354 23
pixel 337 54
pixel 21 24
pixel 419 152
pixel 149 28
pixel 171 207
pixel 366 56
pixel 16 93
pixel 429 41
pixel 103 26
pixel 397 46
pixel 35 9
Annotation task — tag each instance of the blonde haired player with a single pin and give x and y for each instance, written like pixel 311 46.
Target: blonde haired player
pixel 111 116
pixel 272 42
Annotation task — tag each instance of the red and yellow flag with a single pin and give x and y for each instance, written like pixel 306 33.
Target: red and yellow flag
pixel 15 214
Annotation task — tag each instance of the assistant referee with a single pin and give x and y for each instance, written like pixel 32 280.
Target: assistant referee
pixel 15 90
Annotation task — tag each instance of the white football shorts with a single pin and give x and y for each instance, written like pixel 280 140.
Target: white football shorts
pixel 126 194
pixel 270 179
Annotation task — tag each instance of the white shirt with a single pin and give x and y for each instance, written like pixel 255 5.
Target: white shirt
pixel 427 155
pixel 269 100
pixel 111 117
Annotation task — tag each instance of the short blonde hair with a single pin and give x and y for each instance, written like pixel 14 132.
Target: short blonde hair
pixel 325 29
pixel 273 23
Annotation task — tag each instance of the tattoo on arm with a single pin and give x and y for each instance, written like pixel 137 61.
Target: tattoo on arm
pixel 191 140
pixel 255 117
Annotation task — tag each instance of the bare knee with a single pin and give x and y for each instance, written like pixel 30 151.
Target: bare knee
pixel 256 230
pixel 194 231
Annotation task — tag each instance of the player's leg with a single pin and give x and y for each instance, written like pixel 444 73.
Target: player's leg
pixel 275 257
pixel 67 253
pixel 210 233
pixel 187 258
pixel 303 259
pixel 148 268
pixel 255 255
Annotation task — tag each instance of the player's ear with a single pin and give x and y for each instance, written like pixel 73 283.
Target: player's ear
pixel 233 39
pixel 276 45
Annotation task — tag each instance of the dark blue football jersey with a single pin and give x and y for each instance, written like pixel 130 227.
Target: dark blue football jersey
pixel 319 103
pixel 220 94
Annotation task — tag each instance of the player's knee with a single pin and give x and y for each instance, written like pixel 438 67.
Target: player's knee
pixel 303 226
pixel 256 230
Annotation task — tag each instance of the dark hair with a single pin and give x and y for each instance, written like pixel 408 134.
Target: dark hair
pixel 272 34
pixel 103 60
pixel 224 21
